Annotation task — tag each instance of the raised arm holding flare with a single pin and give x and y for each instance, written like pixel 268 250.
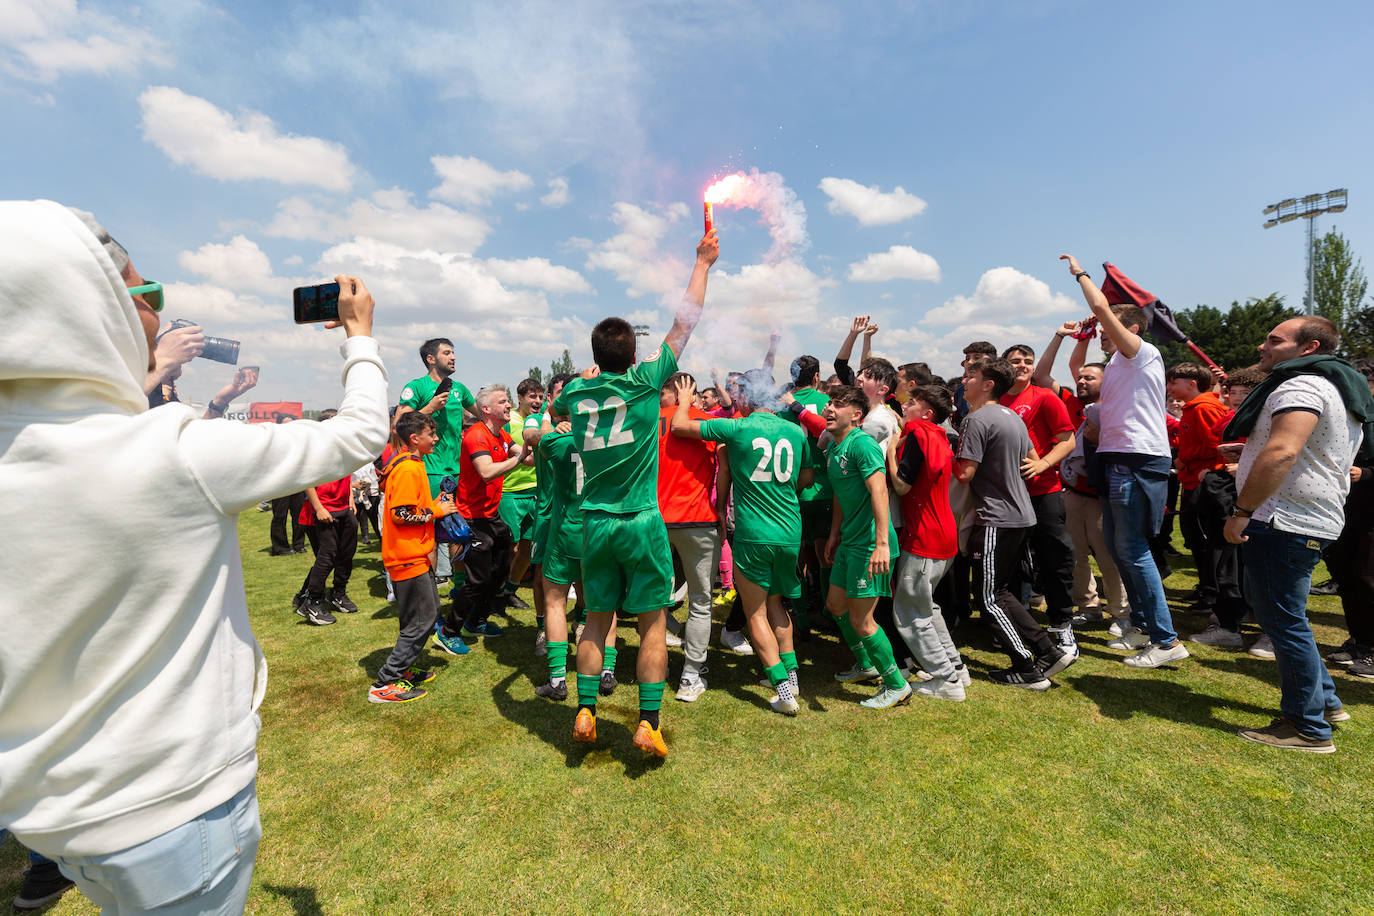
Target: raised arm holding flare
pixel 689 312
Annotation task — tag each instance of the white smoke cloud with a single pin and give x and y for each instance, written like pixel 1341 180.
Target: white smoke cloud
pixel 779 210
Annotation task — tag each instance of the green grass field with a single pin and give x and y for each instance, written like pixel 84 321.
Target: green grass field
pixel 1119 791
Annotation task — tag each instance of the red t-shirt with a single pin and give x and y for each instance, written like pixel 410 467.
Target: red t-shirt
pixel 1045 417
pixel 928 522
pixel 1198 439
pixel 333 497
pixel 1073 405
pixel 477 498
pixel 686 473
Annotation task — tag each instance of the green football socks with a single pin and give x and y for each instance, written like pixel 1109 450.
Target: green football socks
pixel 879 649
pixel 588 689
pixel 856 645
pixel 609 663
pixel 651 701
pixel 558 661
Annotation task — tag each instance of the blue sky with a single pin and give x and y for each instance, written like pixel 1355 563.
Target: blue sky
pixel 506 174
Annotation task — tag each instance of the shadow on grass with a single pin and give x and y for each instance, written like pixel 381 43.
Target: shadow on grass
pixel 372 662
pixel 552 724
pixel 1124 698
pixel 303 900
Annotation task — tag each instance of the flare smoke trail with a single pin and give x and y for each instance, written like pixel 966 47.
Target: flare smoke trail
pixel 745 307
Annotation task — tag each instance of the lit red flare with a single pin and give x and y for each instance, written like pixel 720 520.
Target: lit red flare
pixel 722 191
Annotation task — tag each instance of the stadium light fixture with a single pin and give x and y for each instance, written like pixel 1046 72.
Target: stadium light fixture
pixel 1309 208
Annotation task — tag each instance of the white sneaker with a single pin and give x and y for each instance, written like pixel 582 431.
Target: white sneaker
pixel 1218 636
pixel 1119 625
pixel 674 641
pixel 946 690
pixel 1262 647
pixel 572 595
pixel 786 707
pixel 921 675
pixel 964 677
pixel 851 675
pixel 691 691
pixel 1064 639
pixel 1133 638
pixel 1153 656
pixel 735 642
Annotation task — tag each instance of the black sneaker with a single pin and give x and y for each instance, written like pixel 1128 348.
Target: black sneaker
pixel 608 683
pixel 1328 587
pixel 1346 654
pixel 315 613
pixel 1364 665
pixel 1029 679
pixel 515 601
pixel 342 603
pixel 1201 608
pixel 552 691
pixel 297 600
pixel 43 884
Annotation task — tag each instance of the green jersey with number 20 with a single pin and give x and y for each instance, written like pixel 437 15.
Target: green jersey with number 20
pixel 766 455
pixel 615 430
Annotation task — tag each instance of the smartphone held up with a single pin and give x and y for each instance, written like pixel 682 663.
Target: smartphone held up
pixel 316 303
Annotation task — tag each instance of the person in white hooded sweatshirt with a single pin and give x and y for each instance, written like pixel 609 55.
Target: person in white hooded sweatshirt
pixel 129 692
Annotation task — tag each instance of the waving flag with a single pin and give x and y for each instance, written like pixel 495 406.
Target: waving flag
pixel 1159 321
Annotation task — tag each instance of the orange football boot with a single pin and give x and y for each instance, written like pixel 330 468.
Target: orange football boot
pixel 584 726
pixel 650 740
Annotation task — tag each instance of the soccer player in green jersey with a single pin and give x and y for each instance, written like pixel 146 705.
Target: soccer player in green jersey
pixel 815 499
pixel 626 563
pixel 539 534
pixel 519 489
pixel 447 408
pixel 766 457
pixel 561 472
pixel 862 546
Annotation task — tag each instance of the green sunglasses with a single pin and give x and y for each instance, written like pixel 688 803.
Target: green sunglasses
pixel 151 293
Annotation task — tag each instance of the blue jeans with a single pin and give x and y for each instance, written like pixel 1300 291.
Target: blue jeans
pixel 1132 513
pixel 1278 575
pixel 203 866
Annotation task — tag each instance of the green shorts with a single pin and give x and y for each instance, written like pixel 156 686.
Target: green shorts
pixel 772 567
pixel 850 572
pixel 627 565
pixel 517 511
pixel 815 519
pixel 559 567
pixel 539 540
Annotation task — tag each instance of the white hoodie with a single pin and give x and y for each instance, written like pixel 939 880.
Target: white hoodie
pixel 129 677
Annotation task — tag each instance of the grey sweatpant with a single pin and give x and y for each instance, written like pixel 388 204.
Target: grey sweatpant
pixel 918 617
pixel 699 548
pixel 417 605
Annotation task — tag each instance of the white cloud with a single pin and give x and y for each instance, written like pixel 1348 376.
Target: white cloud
pixel 632 253
pixel 900 262
pixel 213 305
pixel 193 132
pixel 540 274
pixel 469 180
pixel 240 263
pixel 869 204
pixel 1003 295
pixel 558 193
pixel 42 39
pixel 388 216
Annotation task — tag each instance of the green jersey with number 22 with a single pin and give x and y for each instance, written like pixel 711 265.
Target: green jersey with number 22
pixel 615 430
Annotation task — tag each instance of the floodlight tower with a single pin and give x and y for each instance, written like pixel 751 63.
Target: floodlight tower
pixel 1308 208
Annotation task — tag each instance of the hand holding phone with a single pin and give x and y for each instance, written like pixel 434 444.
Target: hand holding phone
pixel 316 303
pixel 345 302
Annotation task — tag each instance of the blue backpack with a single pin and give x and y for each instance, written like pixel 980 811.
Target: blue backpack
pixel 453 528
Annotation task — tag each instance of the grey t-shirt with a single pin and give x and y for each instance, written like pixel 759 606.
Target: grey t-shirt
pixel 882 424
pixel 996 438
